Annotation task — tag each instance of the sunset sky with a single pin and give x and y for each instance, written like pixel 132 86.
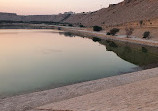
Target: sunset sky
pixel 26 7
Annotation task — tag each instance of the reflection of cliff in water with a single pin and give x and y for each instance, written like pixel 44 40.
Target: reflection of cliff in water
pixel 135 54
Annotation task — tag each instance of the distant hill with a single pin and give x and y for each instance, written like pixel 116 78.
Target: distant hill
pixel 27 18
pixel 116 14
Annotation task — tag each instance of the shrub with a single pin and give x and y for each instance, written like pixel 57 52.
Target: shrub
pixel 97 28
pixel 59 28
pixel 141 22
pixel 127 49
pixel 114 31
pixel 113 44
pixel 82 26
pixel 146 34
pixel 144 50
pixel 129 31
pixel 68 34
pixel 108 33
pixel 96 39
pixel 70 25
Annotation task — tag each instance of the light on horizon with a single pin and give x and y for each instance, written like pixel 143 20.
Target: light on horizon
pixel 31 7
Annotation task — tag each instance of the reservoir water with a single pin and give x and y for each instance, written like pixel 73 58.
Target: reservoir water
pixel 34 60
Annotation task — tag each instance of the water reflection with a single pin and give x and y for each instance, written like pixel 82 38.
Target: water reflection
pixel 44 59
pixel 143 56
pixel 67 34
pixel 135 54
pixel 95 39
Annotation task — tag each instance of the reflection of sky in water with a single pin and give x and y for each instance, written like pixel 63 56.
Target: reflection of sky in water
pixel 50 51
pixel 34 59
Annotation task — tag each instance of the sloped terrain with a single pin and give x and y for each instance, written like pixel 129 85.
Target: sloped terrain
pixel 48 18
pixel 115 14
pixel 135 10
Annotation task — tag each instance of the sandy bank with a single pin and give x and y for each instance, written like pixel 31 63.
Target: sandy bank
pixel 87 33
pixel 33 100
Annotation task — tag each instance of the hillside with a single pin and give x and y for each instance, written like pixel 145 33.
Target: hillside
pixel 116 14
pixel 134 10
pixel 27 18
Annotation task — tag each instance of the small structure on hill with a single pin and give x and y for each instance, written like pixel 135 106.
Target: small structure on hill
pixel 69 12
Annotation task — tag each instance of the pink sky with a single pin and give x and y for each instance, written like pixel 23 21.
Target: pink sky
pixel 26 7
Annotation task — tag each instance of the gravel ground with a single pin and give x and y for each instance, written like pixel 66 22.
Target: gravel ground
pixel 137 96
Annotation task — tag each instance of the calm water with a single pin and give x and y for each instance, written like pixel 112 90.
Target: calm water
pixel 42 59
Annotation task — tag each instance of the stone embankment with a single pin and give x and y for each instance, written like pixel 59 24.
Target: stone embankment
pixel 116 87
pixel 138 96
